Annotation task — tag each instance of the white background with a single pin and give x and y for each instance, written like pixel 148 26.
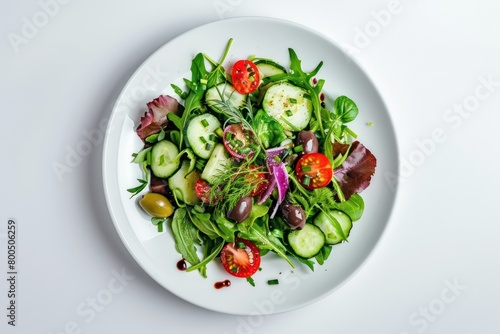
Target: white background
pixel 437 267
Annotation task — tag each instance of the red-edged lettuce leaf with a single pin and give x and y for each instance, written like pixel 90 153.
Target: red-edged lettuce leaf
pixel 156 117
pixel 339 148
pixel 356 171
pixel 158 185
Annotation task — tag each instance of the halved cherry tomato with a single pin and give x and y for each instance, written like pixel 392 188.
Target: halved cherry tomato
pixel 245 76
pixel 238 141
pixel 240 258
pixel 202 189
pixel 314 170
pixel 259 180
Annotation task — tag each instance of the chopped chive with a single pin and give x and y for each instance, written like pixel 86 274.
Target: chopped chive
pixel 273 282
pixel 289 113
pixel 160 227
pixel 203 81
pixel 208 146
pixel 307 96
pixel 306 180
pixel 219 132
pixel 234 269
pixel 203 140
pixel 298 149
pixel 211 137
pixel 229 136
pixel 276 158
pixel 200 164
pixel 205 123
pixel 241 245
pixel 306 168
pixel 251 281
pixel 292 100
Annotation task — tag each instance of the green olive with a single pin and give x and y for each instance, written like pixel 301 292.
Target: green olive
pixel 156 205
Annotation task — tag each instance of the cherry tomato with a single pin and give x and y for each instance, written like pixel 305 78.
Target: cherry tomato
pixel 245 76
pixel 314 170
pixel 240 258
pixel 202 189
pixel 260 181
pixel 238 141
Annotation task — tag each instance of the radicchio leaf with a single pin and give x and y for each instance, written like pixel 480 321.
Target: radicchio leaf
pixel 356 171
pixel 158 185
pixel 156 117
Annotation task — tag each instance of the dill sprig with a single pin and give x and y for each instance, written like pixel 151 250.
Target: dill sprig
pixel 234 182
pixel 235 115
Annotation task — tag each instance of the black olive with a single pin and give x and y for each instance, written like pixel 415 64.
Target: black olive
pixel 241 210
pixel 293 215
pixel 308 140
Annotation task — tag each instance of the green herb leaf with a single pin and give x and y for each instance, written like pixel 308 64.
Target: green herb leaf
pixel 209 257
pixel 323 254
pixel 203 221
pixel 268 129
pixel 141 156
pixel 345 108
pixel 262 239
pixel 185 236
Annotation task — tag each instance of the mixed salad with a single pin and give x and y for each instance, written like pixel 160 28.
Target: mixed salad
pixel 252 159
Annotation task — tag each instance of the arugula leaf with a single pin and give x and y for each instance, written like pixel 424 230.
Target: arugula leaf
pixel 204 223
pixel 143 182
pixel 323 254
pixel 193 99
pixel 141 156
pixel 268 129
pixel 256 212
pixel 227 227
pixel 307 262
pixel 303 79
pixel 209 255
pixel 185 236
pixel 257 234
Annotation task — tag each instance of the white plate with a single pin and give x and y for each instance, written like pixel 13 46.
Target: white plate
pixel 155 252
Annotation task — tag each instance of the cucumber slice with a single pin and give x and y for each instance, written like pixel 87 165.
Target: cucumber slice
pixel 163 162
pixel 182 184
pixel 306 242
pixel 327 226
pixel 269 68
pixel 214 165
pixel 224 92
pixel 289 105
pixel 200 134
